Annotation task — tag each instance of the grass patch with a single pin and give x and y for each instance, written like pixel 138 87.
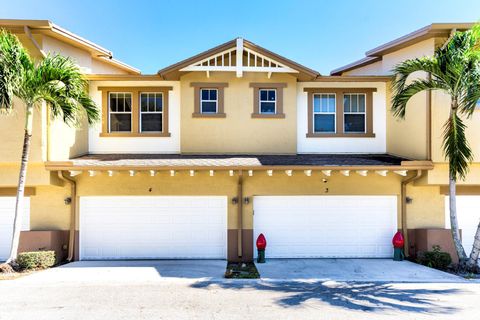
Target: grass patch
pixel 241 270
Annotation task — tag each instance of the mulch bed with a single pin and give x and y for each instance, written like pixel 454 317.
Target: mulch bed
pixel 242 270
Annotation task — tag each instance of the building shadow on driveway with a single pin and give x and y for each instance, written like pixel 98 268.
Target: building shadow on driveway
pixel 363 296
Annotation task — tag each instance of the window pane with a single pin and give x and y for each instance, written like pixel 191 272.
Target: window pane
pixel 121 102
pixel 143 102
pixel 267 107
pixel 213 94
pixel 158 102
pixel 271 95
pixel 316 103
pixel 263 95
pixel 324 103
pixel 346 103
pixel 354 123
pixel 120 122
pixel 331 103
pixel 204 94
pixel 151 102
pixel 152 122
pixel 113 102
pixel 209 107
pixel 128 102
pixel 324 123
pixel 354 106
pixel 361 103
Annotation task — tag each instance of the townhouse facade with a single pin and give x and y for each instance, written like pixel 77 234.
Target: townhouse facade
pixel 196 161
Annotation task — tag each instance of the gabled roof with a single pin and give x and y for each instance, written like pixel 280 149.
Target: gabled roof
pixel 52 30
pixel 431 31
pixel 174 71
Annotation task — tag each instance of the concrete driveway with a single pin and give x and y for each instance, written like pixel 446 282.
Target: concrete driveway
pixel 195 290
pixel 131 271
pixel 384 270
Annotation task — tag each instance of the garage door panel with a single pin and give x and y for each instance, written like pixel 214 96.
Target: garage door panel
pixel 153 227
pixel 7 216
pixel 468 214
pixel 326 226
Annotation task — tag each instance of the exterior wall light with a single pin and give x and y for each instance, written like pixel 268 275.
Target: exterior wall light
pixel 246 200
pixel 234 200
pixel 67 201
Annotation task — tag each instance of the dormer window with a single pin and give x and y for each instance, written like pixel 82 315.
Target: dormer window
pixel 268 101
pixel 208 101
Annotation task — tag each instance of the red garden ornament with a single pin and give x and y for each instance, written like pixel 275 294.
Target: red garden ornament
pixel 398 241
pixel 261 242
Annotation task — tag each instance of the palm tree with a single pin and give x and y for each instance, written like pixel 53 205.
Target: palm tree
pixel 455 70
pixel 55 81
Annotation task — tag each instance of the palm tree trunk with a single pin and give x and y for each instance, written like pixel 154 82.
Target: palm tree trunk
pixel 472 262
pixel 19 204
pixel 462 257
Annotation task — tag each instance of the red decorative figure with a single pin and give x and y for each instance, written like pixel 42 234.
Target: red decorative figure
pixel 261 242
pixel 261 245
pixel 398 240
pixel 398 243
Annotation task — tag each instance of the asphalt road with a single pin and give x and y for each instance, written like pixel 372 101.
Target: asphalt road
pixel 203 299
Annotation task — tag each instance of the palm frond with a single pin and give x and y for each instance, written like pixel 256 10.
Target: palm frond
pixel 402 94
pixel 14 61
pixel 61 84
pixel 456 146
pixel 406 68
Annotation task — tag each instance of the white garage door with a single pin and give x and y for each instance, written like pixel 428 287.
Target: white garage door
pixel 468 211
pixel 7 215
pixel 153 227
pixel 326 226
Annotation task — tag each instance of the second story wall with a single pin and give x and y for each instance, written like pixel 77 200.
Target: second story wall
pixel 12 132
pixel 238 131
pixel 405 137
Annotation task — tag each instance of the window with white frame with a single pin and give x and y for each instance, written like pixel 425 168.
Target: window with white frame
pixel 268 101
pixel 120 111
pixel 324 109
pixel 208 100
pixel 354 113
pixel 151 112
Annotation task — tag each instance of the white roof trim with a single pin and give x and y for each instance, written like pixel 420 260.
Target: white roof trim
pixel 255 62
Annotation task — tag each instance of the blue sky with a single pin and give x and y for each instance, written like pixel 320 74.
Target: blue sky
pixel 320 34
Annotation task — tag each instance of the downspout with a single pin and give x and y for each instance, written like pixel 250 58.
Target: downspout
pixel 73 213
pixel 240 214
pixel 403 195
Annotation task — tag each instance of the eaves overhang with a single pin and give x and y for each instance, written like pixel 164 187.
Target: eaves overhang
pixel 441 30
pixel 50 29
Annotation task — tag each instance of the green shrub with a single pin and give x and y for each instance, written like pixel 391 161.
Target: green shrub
pixel 435 259
pixel 36 259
